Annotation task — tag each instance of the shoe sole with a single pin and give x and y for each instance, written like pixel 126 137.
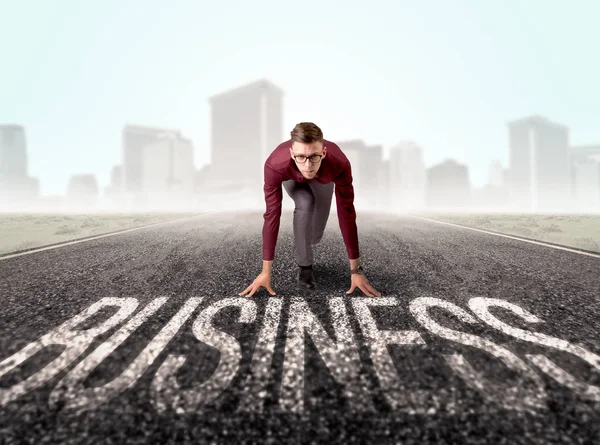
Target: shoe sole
pixel 305 286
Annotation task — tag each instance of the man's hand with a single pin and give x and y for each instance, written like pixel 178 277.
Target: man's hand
pixel 262 280
pixel 360 281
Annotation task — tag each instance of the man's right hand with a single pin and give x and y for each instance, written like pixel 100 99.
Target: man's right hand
pixel 262 280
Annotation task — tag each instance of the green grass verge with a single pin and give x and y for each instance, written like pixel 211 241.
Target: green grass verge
pixel 22 231
pixel 580 231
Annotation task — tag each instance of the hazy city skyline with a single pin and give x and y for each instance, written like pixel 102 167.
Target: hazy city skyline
pixel 446 75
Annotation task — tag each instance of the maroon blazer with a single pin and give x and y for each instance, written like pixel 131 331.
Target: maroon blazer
pixel 335 167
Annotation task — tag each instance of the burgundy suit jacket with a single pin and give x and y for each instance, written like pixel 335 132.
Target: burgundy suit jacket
pixel 335 167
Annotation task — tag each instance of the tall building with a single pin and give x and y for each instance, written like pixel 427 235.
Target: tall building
pixel 383 185
pixel 168 172
pixel 113 192
pixel 539 164
pixel 116 179
pixel 246 126
pixel 448 185
pixel 17 188
pixel 367 166
pixel 82 192
pixel 201 177
pixel 584 152
pixel 134 139
pixel 492 196
pixel 496 174
pixel 586 184
pixel 155 160
pixel 13 152
pixel 585 176
pixel 506 176
pixel 376 166
pixel 407 183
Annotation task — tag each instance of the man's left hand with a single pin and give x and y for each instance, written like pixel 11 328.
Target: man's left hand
pixel 360 281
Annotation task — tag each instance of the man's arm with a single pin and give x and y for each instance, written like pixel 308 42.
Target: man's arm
pixel 272 216
pixel 344 196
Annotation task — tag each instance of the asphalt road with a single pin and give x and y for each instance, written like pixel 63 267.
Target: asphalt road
pixel 141 337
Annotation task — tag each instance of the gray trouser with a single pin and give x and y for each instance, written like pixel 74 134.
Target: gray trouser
pixel 312 206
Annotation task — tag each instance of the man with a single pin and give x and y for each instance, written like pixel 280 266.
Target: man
pixel 308 166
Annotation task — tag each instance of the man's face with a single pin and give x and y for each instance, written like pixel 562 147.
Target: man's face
pixel 308 168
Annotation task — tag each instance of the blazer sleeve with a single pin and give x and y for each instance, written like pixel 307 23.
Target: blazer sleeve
pixel 344 196
pixel 272 216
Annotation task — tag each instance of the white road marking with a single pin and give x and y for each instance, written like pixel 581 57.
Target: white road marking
pixel 400 398
pixel 77 397
pixel 76 341
pixel 480 306
pixel 56 246
pixel 528 394
pixel 255 388
pixel 341 356
pixel 541 243
pixel 165 389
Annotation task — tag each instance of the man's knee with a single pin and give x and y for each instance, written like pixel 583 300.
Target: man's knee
pixel 304 201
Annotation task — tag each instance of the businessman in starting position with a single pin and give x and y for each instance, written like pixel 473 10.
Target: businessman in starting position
pixel 308 166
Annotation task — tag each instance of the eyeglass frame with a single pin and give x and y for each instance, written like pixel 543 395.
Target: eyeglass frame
pixel 321 155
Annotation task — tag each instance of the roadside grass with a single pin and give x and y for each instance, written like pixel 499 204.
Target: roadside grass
pixel 580 231
pixel 22 231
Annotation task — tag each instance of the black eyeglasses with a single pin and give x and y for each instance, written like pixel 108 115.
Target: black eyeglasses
pixel 314 159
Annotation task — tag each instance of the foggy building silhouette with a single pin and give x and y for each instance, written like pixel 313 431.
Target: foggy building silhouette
pixel 200 178
pixel 495 174
pixel 113 192
pixel 116 180
pixel 585 176
pixel 407 181
pixel 383 185
pixel 168 171
pixel 448 185
pixel 82 192
pixel 13 154
pixel 367 165
pixel 584 152
pixel 540 177
pixel 493 195
pixel 506 177
pixel 17 188
pixel 374 184
pixel 158 167
pixel 134 139
pixel 246 126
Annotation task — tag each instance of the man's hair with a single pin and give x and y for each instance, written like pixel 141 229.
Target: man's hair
pixel 306 133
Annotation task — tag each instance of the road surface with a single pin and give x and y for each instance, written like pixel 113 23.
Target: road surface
pixel 141 337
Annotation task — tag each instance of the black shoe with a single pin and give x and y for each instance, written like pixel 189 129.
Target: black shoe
pixel 305 278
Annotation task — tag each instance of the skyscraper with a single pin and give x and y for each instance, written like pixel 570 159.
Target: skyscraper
pixel 168 171
pixel 16 187
pixel 540 176
pixel 146 149
pixel 367 164
pixel 246 126
pixel 407 177
pixel 134 139
pixel 13 152
pixel 585 176
pixel 495 174
pixel 82 192
pixel 448 185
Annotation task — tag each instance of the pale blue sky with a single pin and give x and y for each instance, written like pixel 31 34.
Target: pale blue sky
pixel 447 74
